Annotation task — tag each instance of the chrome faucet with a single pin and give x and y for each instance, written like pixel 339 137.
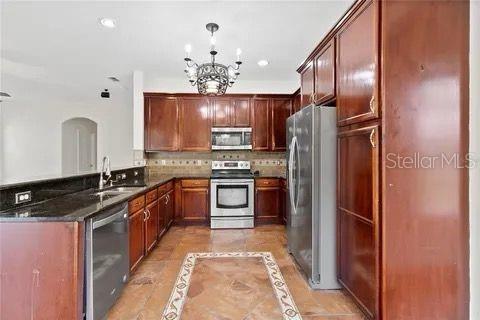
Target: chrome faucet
pixel 106 170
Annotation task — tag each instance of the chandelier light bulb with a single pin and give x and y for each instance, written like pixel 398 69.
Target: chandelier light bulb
pixel 239 52
pixel 188 49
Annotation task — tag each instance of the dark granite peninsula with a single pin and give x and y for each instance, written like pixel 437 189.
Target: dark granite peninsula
pixel 43 244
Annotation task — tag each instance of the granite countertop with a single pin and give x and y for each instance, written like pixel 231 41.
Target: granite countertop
pixel 85 204
pixel 277 176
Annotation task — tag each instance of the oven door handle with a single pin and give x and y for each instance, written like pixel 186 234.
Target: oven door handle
pixel 107 220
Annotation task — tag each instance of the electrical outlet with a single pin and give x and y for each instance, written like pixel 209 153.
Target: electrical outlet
pixel 23 197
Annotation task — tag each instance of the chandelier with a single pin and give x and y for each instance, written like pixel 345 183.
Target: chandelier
pixel 211 78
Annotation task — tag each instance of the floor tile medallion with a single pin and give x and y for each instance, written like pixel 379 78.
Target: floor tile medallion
pixel 232 285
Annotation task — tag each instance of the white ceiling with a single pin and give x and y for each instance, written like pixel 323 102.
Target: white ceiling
pixel 63 42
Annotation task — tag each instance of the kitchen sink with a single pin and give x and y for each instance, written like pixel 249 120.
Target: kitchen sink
pixel 113 191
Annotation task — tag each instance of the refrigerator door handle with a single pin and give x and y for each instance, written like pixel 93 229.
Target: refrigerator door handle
pixel 290 175
pixel 297 169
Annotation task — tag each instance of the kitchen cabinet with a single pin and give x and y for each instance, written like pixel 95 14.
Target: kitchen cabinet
pixel 357 66
pixel 136 237
pixel 240 112
pixel 268 208
pixel 161 124
pixel 195 124
pixel 324 64
pixel 231 112
pixel 148 221
pixel 425 237
pixel 358 222
pixel 166 209
pixel 163 222
pixel 183 122
pixel 307 84
pixel 169 210
pixel 269 116
pixel 296 101
pixel 283 199
pixel 281 110
pixel 192 201
pixel 317 77
pixel 151 225
pixel 221 112
pixel 261 124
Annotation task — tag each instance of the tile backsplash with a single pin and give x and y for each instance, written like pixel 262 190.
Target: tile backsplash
pixel 267 163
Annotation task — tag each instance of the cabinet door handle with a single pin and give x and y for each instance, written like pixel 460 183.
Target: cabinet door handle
pixel 166 199
pixel 372 104
pixel 145 217
pixel 372 138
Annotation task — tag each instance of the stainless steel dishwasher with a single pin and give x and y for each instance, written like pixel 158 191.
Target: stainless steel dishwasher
pixel 106 260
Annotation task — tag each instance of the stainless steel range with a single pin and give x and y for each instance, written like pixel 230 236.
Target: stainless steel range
pixel 231 195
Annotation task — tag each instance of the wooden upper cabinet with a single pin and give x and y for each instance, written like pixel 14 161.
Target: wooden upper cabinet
pixel 281 110
pixel 240 115
pixel 324 64
pixel 221 112
pixel 307 78
pixel 358 223
pixel 195 124
pixel 357 66
pixel 231 112
pixel 296 101
pixel 161 124
pixel 260 124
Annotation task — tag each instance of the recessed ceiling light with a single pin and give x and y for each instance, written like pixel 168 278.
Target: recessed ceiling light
pixel 262 63
pixel 108 23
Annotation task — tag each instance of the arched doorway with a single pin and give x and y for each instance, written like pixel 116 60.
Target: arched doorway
pixel 79 146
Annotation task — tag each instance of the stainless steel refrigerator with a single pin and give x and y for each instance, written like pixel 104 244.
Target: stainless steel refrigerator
pixel 311 200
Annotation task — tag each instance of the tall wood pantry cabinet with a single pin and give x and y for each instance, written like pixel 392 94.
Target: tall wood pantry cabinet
pixel 402 244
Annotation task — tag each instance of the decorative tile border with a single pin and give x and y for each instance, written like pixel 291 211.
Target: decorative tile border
pixel 174 307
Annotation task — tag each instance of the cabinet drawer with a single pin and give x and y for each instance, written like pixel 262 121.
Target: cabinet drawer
pixel 164 188
pixel 267 182
pixel 136 204
pixel 189 183
pixel 151 196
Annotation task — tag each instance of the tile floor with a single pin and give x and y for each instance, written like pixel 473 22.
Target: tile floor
pixel 151 284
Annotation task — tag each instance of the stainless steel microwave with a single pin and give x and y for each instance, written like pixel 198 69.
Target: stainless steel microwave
pixel 231 138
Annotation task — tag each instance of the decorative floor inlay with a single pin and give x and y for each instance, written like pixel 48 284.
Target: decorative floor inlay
pixel 180 294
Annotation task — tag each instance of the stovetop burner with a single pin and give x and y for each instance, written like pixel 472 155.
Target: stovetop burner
pixel 231 169
pixel 231 175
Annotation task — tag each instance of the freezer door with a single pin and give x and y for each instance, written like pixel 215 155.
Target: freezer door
pixel 299 230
